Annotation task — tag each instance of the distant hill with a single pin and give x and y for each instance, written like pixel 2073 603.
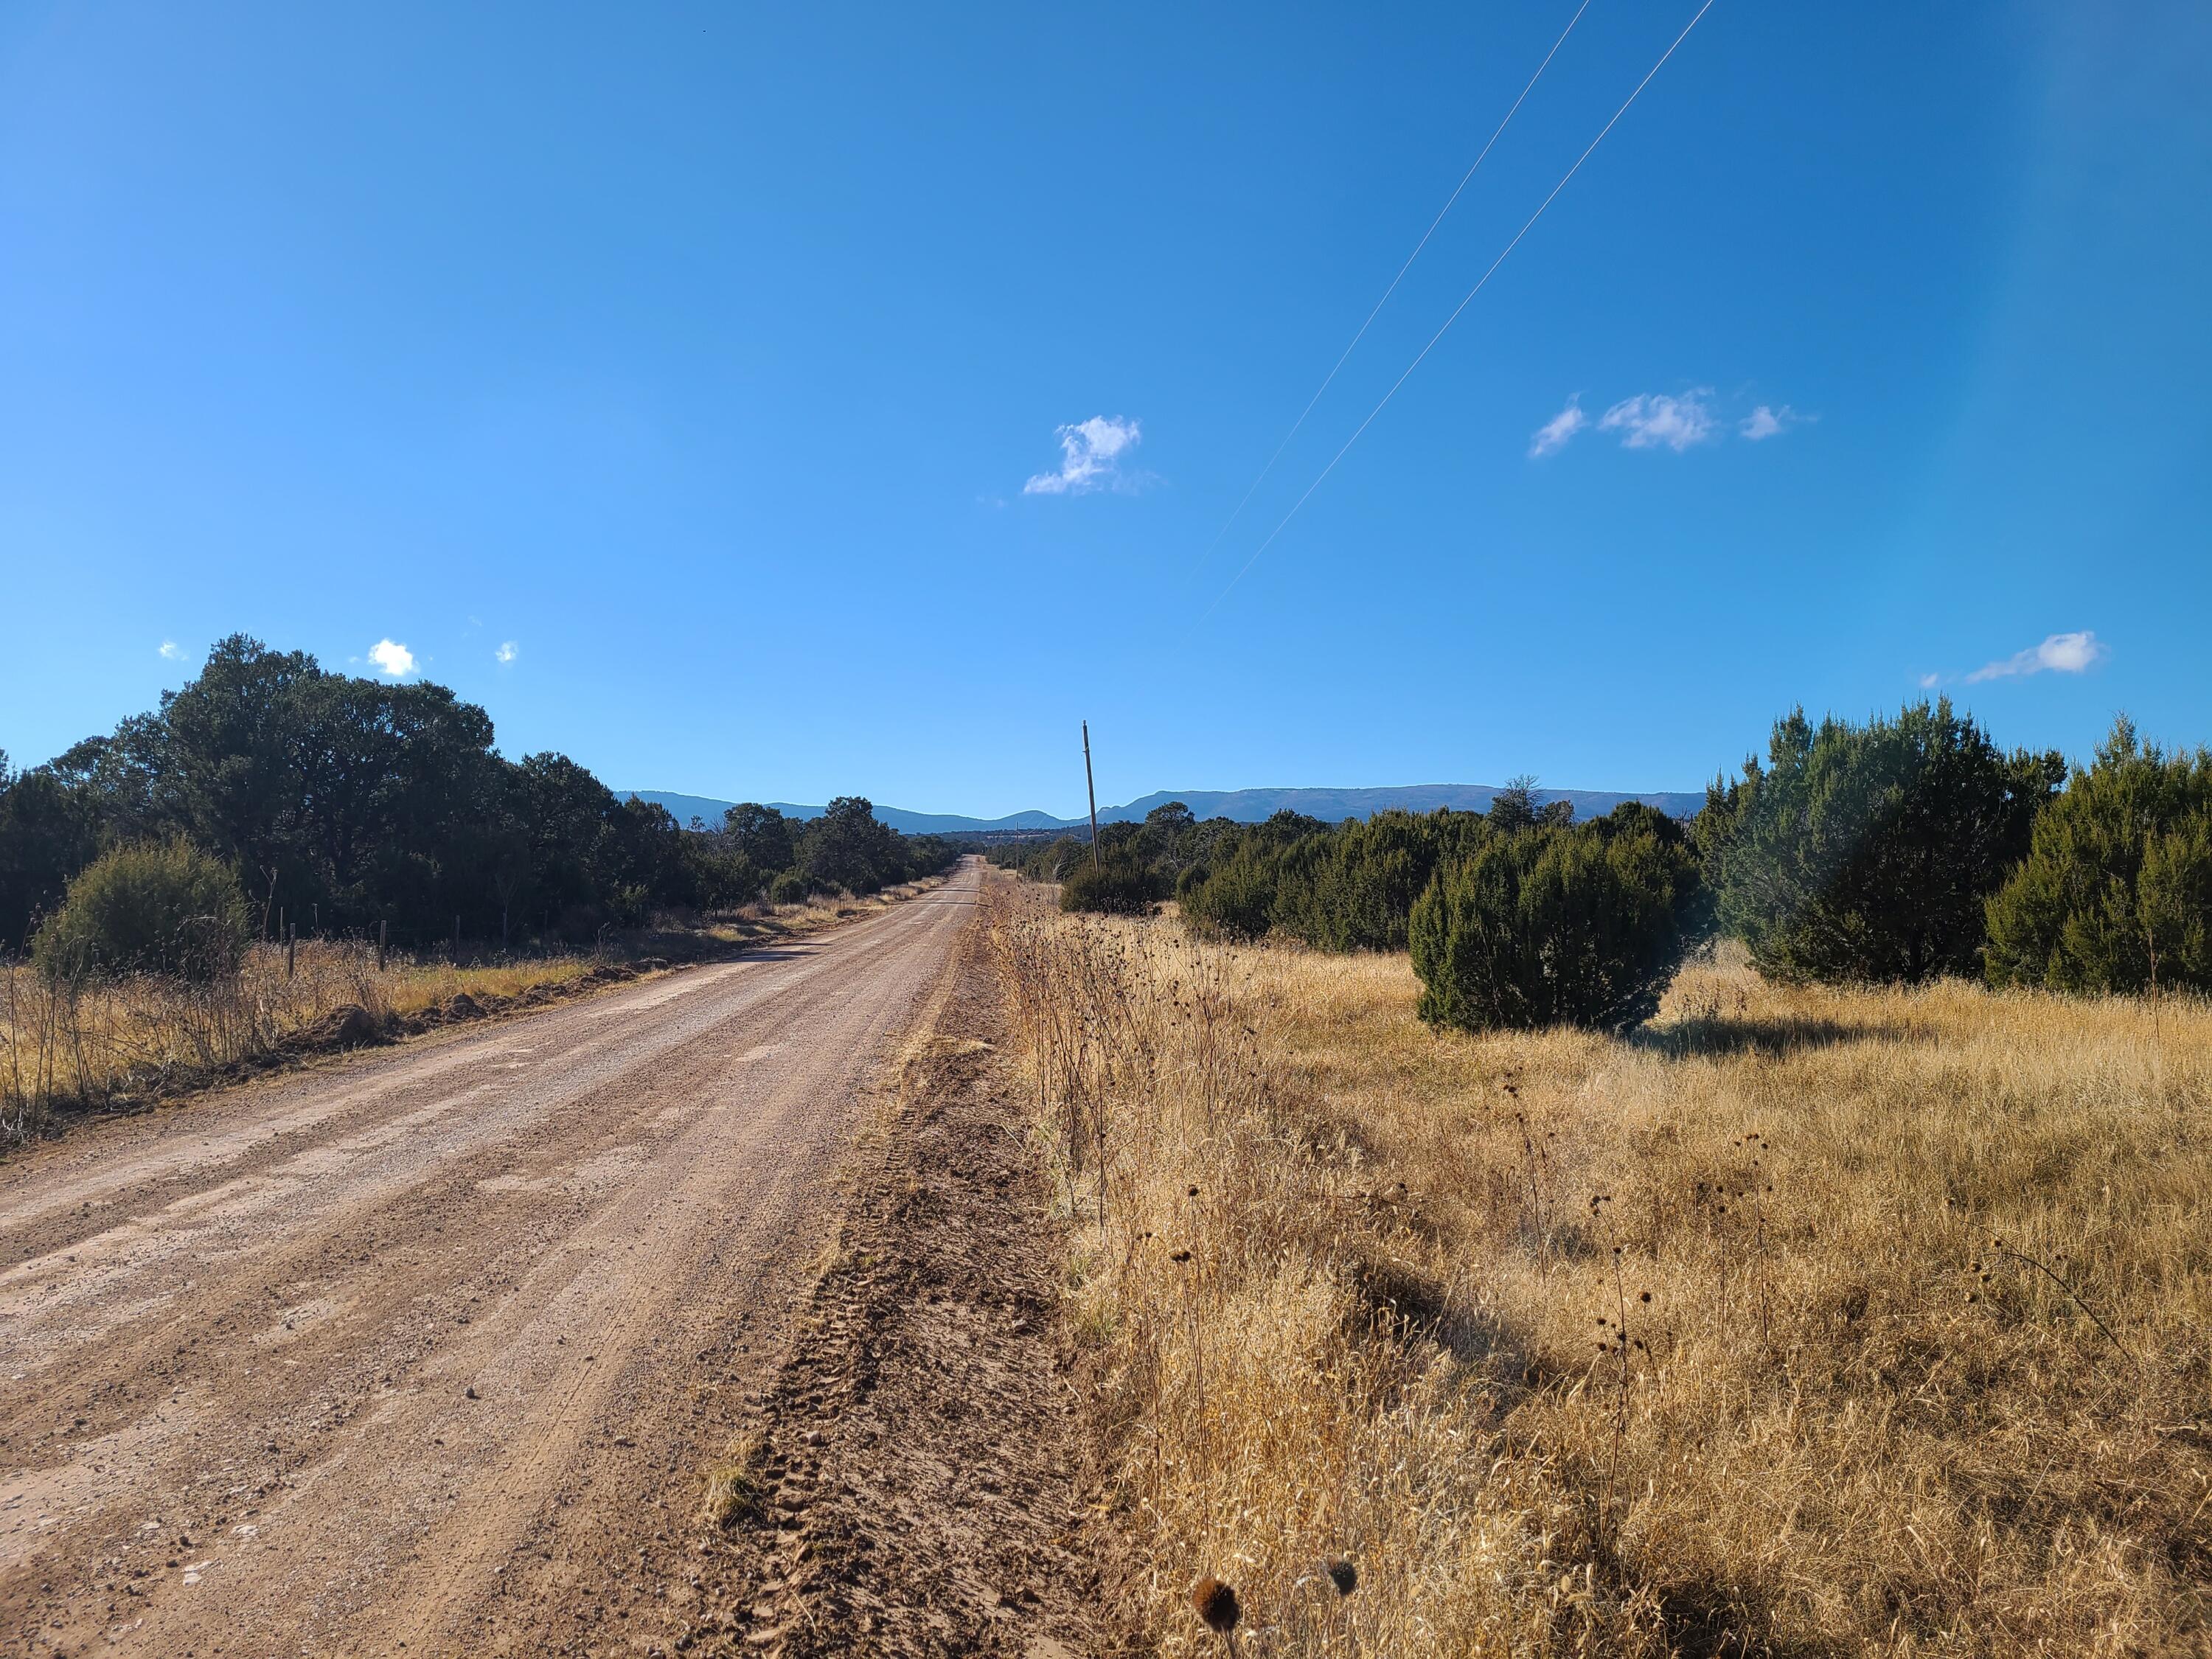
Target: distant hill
pixel 1245 805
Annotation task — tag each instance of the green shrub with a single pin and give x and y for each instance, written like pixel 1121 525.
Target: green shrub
pixel 2119 874
pixel 1558 925
pixel 1234 898
pixel 1120 887
pixel 1053 862
pixel 789 888
pixel 1866 852
pixel 156 907
pixel 1353 888
pixel 1347 888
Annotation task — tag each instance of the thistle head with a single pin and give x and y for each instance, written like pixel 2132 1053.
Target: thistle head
pixel 1217 1604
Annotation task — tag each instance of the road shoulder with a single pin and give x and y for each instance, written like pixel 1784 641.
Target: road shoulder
pixel 913 1482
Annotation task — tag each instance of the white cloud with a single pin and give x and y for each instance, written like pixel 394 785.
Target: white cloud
pixel 1768 421
pixel 1650 420
pixel 172 652
pixel 507 652
pixel 1552 435
pixel 1930 682
pixel 2061 653
pixel 1091 457
pixel 392 659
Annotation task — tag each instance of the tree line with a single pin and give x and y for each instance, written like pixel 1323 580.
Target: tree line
pixel 1890 852
pixel 325 798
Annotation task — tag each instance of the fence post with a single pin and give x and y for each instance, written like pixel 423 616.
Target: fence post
pixel 380 928
pixel 457 940
pixel 291 948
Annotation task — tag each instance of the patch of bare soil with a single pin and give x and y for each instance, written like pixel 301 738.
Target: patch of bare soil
pixel 915 1482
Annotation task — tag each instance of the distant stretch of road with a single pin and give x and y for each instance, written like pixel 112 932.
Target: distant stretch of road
pixel 428 1348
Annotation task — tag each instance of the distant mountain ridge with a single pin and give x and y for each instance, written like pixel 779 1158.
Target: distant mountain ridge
pixel 1245 805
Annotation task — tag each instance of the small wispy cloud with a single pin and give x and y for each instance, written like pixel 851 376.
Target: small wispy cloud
pixel 2060 653
pixel 507 652
pixel 172 652
pixel 391 659
pixel 1769 421
pixel 1090 454
pixel 1930 682
pixel 1553 435
pixel 1654 421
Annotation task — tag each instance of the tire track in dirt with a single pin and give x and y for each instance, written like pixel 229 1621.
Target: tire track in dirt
pixel 430 1346
pixel 918 1466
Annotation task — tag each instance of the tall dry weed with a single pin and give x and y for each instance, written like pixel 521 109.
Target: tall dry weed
pixel 106 1040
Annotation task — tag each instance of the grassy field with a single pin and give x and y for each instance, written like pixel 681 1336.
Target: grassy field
pixel 1805 1322
pixel 114 1043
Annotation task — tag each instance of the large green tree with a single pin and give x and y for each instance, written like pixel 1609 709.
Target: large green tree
pixel 356 801
pixel 1866 852
pixel 762 834
pixel 847 847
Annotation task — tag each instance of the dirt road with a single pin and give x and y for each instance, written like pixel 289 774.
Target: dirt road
pixel 426 1351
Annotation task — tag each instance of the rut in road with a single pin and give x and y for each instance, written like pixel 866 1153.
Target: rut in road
pixel 430 1346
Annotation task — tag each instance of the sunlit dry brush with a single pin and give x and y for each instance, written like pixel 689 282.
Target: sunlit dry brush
pixel 82 1043
pixel 108 1040
pixel 1802 1322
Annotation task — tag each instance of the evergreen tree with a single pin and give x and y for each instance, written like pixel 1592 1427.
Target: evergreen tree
pixel 2117 886
pixel 1866 852
pixel 1558 925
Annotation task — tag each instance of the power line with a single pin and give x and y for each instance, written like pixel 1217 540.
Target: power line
pixel 1457 309
pixel 1392 289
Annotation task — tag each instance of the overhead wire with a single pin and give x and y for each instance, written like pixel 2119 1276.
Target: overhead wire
pixel 1477 288
pixel 1344 357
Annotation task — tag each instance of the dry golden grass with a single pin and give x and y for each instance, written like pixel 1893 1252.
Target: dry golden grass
pixel 736 1486
pixel 110 1042
pixel 91 1043
pixel 1357 1287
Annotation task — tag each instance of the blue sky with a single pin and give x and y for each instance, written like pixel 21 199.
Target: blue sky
pixel 780 401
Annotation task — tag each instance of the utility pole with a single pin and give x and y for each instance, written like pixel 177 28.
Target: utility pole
pixel 1092 789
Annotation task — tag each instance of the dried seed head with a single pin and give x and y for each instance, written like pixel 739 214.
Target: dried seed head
pixel 1194 1191
pixel 1217 1604
pixel 1178 1255
pixel 1645 1297
pixel 1343 1575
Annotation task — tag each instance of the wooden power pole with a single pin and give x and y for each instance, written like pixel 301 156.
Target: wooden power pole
pixel 1092 789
